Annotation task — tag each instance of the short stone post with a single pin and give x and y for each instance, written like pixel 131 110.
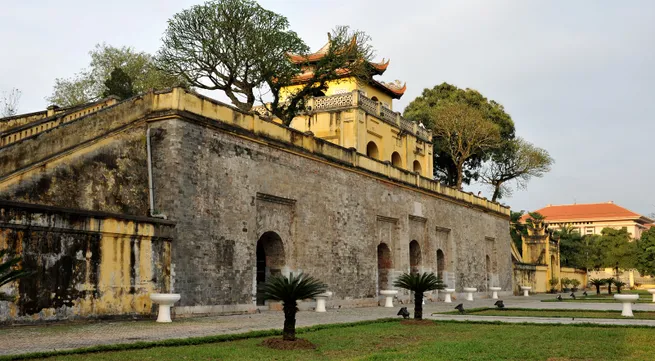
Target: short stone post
pixel 321 300
pixel 469 292
pixel 447 298
pixel 388 294
pixel 526 290
pixel 494 294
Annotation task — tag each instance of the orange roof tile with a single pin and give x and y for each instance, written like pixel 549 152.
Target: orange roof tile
pixel 597 211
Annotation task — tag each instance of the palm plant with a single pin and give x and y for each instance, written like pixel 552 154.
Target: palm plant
pixel 8 271
pixel 289 290
pixel 553 282
pixel 597 282
pixel 419 283
pixel 610 282
pixel 619 285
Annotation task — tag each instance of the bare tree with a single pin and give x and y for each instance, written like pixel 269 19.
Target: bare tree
pixel 463 131
pixel 9 102
pixel 519 162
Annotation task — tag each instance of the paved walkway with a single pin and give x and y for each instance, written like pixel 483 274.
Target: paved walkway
pixel 24 339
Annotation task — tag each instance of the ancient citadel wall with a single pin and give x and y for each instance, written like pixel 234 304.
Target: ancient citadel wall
pixel 86 264
pixel 229 178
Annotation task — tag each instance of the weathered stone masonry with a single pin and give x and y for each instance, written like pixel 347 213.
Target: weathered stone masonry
pixel 251 198
pixel 225 192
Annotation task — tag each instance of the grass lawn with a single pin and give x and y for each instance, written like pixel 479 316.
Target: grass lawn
pixel 529 312
pixel 443 341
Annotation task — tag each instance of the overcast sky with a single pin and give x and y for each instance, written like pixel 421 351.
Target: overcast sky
pixel 577 77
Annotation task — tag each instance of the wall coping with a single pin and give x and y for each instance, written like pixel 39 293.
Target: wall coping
pixel 82 212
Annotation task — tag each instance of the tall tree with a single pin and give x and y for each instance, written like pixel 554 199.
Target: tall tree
pixel 9 102
pixel 463 132
pixel 420 111
pixel 571 246
pixel 242 49
pixel 615 249
pixel 89 84
pixel 517 229
pixel 119 84
pixel 519 161
pixel 645 262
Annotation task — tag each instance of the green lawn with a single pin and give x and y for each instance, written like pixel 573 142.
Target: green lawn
pixel 443 341
pixel 529 312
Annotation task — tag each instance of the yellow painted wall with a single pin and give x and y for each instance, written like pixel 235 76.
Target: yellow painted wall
pixel 118 282
pixel 344 85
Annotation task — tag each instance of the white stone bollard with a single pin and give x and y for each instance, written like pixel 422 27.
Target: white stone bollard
pixel 320 301
pixel 627 301
pixel 447 298
pixel 652 292
pixel 165 301
pixel 469 291
pixel 388 297
pixel 526 290
pixel 494 294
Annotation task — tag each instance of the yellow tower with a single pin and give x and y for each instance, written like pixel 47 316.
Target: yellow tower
pixel 358 113
pixel 541 249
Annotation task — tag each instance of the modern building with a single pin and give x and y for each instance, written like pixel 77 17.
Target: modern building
pixel 592 218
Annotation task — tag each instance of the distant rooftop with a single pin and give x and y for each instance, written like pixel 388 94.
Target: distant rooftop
pixel 591 211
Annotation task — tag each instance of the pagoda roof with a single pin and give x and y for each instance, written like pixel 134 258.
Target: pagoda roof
pixel 377 68
pixel 394 90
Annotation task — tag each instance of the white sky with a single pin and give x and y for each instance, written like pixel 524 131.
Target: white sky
pixel 576 76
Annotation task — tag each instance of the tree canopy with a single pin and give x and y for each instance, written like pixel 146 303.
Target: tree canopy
pixel 462 132
pixel 424 107
pixel 645 260
pixel 242 49
pixel 518 161
pixel 119 84
pixel 89 84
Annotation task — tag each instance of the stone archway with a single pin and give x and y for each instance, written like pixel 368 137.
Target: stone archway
pixel 372 150
pixel 414 257
pixel 396 160
pixel 270 260
pixel 441 264
pixel 417 166
pixel 385 265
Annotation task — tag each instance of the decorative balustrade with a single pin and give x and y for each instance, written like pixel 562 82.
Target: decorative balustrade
pixel 368 104
pixel 333 101
pixel 373 107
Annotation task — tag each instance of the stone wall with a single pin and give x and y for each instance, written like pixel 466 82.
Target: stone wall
pixel 86 264
pixel 228 179
pixel 225 191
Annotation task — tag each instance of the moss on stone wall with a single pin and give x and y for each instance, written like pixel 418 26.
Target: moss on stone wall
pixel 113 178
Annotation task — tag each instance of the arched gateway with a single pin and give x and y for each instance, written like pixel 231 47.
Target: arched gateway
pixel 270 260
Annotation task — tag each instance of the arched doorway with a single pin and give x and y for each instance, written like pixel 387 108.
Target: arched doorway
pixel 396 161
pixel 270 260
pixel 414 256
pixel 384 266
pixel 441 264
pixel 417 166
pixel 372 150
pixel 374 98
